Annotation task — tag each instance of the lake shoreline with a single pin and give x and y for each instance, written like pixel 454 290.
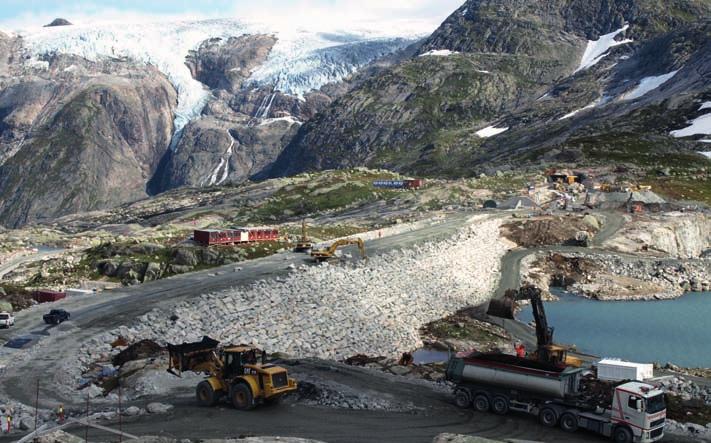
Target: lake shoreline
pixel 658 331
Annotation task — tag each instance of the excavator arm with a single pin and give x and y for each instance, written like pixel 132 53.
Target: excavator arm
pixel 330 252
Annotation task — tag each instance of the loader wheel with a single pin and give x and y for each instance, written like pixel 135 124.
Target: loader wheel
pixel 206 396
pixel 242 397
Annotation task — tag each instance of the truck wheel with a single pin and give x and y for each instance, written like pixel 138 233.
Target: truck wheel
pixel 500 405
pixel 622 435
pixel 462 398
pixel 242 398
pixel 569 422
pixel 548 417
pixel 481 403
pixel 205 395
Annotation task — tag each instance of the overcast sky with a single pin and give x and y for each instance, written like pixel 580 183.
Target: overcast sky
pixel 18 14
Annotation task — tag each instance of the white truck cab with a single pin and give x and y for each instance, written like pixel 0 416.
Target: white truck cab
pixel 6 320
pixel 639 408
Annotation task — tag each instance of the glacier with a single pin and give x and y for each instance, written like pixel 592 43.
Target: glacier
pixel 302 60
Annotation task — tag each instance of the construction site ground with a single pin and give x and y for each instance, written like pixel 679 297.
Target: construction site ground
pixel 432 410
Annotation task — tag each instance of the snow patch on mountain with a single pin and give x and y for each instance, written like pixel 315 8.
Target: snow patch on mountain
pixel 698 126
pixel 490 131
pixel 300 61
pixel 577 111
pixel 648 84
pixel 599 49
pixel 439 53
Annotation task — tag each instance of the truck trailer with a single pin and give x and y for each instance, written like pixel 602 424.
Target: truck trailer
pixel 570 397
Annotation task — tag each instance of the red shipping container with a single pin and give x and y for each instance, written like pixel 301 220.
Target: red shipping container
pixel 47 296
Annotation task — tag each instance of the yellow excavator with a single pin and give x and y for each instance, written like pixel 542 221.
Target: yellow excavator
pixel 546 350
pixel 330 252
pixel 304 244
pixel 238 373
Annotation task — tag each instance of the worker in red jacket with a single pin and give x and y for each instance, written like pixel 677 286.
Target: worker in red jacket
pixel 520 350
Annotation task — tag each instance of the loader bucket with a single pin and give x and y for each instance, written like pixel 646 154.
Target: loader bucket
pixel 188 356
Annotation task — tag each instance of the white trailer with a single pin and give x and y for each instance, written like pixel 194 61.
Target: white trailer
pixel 617 370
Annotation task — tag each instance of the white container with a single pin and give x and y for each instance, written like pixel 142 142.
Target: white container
pixel 618 370
pixel 73 292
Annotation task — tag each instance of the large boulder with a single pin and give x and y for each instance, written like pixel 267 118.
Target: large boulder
pixel 186 257
pixel 153 272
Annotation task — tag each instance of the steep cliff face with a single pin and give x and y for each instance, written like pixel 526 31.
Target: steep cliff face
pixel 554 81
pixel 90 144
pixel 214 151
pixel 675 235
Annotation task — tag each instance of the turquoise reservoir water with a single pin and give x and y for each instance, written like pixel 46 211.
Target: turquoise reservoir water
pixel 677 331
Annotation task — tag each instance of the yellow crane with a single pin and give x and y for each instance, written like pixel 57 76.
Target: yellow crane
pixel 330 252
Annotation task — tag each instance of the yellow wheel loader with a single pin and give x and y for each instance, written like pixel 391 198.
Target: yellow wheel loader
pixel 239 374
pixel 330 252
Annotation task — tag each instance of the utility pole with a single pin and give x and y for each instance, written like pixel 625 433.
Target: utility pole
pixel 119 411
pixel 86 429
pixel 37 405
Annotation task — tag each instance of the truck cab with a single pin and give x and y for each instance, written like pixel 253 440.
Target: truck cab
pixel 640 410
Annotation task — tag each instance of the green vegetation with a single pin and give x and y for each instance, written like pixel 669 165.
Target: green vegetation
pixel 682 188
pixel 336 190
pixel 16 295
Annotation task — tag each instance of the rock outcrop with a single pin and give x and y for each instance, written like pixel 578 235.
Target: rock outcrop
pixel 226 64
pixel 81 144
pixel 58 22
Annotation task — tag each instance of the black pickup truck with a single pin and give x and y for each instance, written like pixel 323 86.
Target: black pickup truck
pixel 56 316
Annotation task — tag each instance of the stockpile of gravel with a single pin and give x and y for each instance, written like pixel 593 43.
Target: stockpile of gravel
pixel 326 311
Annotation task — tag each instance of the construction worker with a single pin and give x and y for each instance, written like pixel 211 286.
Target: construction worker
pixel 520 350
pixel 60 414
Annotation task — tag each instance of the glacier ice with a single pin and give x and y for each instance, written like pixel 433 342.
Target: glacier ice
pixel 301 60
pixel 598 49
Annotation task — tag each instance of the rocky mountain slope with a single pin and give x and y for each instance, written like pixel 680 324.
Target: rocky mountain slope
pixel 94 116
pixel 503 84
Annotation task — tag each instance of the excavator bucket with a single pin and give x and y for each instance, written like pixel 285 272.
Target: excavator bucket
pixel 189 356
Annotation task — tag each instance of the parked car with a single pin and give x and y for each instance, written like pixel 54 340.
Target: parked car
pixel 56 316
pixel 6 320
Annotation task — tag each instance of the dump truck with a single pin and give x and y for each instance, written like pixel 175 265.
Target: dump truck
pixel 330 252
pixel 569 397
pixel 239 374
